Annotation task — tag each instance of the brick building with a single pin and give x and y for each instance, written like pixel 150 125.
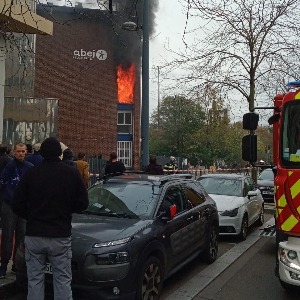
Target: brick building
pixel 81 65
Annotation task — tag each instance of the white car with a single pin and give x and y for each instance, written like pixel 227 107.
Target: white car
pixel 239 202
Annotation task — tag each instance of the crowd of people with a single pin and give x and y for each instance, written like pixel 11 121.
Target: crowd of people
pixel 41 185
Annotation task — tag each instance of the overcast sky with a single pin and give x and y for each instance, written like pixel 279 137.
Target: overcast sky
pixel 170 25
pixel 170 20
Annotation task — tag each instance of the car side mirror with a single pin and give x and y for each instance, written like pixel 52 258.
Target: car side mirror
pixel 251 194
pixel 173 211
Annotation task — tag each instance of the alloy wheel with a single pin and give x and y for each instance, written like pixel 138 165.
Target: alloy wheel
pixel 213 244
pixel 152 281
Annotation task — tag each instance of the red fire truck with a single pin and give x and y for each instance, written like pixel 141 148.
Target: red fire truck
pixel 286 160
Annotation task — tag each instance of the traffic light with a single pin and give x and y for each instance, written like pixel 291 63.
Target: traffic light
pixel 249 148
pixel 250 121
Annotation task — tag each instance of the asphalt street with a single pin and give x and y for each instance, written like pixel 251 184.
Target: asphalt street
pixel 250 277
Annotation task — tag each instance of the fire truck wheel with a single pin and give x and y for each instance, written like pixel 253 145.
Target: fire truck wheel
pixel 244 228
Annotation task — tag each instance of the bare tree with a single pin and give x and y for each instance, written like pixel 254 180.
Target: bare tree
pixel 248 46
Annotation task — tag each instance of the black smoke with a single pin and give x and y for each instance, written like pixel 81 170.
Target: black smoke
pixel 129 43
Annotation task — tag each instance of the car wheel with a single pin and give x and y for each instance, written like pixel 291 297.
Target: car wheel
pixel 211 251
pixel 261 220
pixel 244 228
pixel 150 280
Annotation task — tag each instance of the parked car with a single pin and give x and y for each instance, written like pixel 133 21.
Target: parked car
pixel 137 231
pixel 239 202
pixel 265 183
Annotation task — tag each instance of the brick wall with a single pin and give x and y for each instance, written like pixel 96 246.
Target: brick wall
pixel 86 89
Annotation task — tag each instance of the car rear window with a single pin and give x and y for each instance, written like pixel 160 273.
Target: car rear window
pixel 222 186
pixel 266 175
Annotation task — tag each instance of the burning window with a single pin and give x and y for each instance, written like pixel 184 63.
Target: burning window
pixel 126 82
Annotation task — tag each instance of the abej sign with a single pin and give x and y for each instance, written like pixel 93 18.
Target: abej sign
pixel 90 54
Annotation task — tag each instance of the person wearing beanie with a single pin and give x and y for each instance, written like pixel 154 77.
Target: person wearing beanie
pixel 12 224
pixel 46 197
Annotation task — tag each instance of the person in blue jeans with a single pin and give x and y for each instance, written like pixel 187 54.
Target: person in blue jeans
pixel 47 196
pixel 11 223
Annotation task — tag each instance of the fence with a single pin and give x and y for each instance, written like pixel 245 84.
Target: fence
pixel 97 167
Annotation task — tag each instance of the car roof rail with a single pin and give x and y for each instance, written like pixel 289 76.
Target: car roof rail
pixel 176 176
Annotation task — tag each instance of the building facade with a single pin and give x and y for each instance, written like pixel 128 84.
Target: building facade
pixel 92 68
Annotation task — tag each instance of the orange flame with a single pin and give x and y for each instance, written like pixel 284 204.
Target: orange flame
pixel 126 82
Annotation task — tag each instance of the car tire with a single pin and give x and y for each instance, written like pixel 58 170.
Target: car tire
pixel 244 228
pixel 211 250
pixel 150 280
pixel 261 219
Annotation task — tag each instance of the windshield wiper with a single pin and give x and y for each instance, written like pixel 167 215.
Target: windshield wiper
pixel 113 214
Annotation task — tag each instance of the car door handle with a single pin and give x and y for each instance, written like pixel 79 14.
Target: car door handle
pixel 190 218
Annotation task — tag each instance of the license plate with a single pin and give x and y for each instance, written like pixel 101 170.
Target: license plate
pixel 48 269
pixel 268 193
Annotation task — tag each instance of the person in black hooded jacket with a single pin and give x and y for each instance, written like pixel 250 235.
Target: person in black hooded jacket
pixel 46 197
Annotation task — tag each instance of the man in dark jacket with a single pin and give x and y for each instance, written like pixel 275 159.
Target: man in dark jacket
pixel 68 158
pixel 47 196
pixel 154 168
pixel 114 166
pixel 11 223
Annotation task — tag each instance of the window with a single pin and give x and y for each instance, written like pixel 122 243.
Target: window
pixel 290 135
pixel 125 122
pixel 124 151
pixel 174 195
pixel 193 198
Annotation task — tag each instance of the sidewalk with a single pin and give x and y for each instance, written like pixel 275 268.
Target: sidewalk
pixel 10 277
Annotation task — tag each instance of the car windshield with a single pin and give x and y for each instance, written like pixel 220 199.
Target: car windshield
pixel 222 186
pixel 123 200
pixel 266 175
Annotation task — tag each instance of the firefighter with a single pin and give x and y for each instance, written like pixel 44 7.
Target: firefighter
pixel 171 167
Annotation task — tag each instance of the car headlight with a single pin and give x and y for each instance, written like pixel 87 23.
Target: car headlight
pixel 230 213
pixel 287 257
pixel 112 258
pixel 113 243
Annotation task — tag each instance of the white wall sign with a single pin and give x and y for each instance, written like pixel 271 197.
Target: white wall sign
pixel 90 54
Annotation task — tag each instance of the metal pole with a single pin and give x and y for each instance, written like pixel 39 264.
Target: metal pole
pixel 158 97
pixel 145 87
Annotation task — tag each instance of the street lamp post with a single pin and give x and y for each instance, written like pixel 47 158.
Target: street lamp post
pixel 131 26
pixel 145 87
